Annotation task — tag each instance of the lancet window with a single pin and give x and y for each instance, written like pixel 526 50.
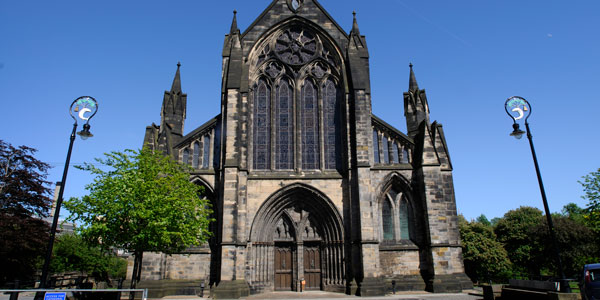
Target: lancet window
pixel 206 151
pixel 186 156
pixel 196 156
pixel 310 127
pixel 262 120
pixel 285 130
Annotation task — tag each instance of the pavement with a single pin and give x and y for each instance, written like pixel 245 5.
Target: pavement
pixel 317 295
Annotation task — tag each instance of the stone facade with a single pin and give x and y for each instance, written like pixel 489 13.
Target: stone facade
pixel 306 183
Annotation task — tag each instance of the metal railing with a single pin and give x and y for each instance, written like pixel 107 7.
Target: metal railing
pixel 14 292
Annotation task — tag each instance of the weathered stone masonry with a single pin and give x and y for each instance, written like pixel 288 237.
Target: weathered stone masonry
pixel 306 183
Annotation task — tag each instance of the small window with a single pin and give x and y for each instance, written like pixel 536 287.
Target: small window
pixel 394 153
pixel 206 149
pixel 375 146
pixel 405 155
pixel 186 156
pixel 386 153
pixel 196 156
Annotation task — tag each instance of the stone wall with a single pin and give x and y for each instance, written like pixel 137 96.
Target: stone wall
pixel 399 262
pixel 160 266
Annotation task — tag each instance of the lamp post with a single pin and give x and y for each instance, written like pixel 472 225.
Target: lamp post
pixel 84 108
pixel 519 109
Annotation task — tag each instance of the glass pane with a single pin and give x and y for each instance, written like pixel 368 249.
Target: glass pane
pixel 386 217
pixel 285 143
pixel 375 146
pixel 395 153
pixel 262 118
pixel 186 155
pixel 384 147
pixel 404 231
pixel 404 155
pixel 330 125
pixel 310 127
pixel 196 155
pixel 206 153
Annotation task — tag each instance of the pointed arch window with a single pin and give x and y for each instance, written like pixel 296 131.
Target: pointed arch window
pixel 385 149
pixel 186 156
pixel 206 151
pixel 375 146
pixel 404 220
pixel 310 127
pixel 330 123
pixel 405 155
pixel 285 134
pixel 196 156
pixel 395 153
pixel 262 119
pixel 387 222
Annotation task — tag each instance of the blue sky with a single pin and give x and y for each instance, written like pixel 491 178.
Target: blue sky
pixel 470 56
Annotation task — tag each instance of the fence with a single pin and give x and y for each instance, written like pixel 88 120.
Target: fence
pixel 76 293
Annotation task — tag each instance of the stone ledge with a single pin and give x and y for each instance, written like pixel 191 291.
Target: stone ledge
pixel 231 290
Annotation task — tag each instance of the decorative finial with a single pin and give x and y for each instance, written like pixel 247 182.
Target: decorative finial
pixel 234 11
pixel 178 65
pixel 354 13
pixel 410 65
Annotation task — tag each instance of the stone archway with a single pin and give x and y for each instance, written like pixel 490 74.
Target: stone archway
pixel 296 234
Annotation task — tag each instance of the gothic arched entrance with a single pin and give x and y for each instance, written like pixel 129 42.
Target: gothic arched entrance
pixel 296 235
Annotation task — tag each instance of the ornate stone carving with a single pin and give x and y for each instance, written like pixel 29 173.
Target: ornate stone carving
pixel 296 46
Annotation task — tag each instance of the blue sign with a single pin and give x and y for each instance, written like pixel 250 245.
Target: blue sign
pixel 55 296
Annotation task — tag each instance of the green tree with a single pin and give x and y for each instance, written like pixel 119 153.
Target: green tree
pixel 484 257
pixel 141 201
pixel 591 187
pixel 24 201
pixel 483 220
pixel 574 212
pixel 514 232
pixel 73 253
pixel 577 243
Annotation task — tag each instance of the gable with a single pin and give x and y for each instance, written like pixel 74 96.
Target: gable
pixel 281 10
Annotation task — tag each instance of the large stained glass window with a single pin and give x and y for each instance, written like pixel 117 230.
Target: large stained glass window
pixel 310 127
pixel 284 151
pixel 386 218
pixel 262 119
pixel 330 122
pixel 206 149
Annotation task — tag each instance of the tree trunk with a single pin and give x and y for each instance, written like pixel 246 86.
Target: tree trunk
pixel 137 272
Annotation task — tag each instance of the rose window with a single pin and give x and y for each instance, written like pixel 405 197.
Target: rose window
pixel 296 46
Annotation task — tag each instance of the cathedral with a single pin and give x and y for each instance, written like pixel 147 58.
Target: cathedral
pixel 310 190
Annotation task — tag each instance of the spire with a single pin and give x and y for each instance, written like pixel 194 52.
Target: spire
pixel 355 24
pixel 412 82
pixel 234 29
pixel 176 87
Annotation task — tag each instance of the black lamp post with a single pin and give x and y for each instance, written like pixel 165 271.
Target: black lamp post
pixel 84 108
pixel 518 108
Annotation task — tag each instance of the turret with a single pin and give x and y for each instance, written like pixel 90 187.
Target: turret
pixel 174 107
pixel 416 109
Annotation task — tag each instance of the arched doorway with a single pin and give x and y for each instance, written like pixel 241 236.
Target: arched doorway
pixel 296 235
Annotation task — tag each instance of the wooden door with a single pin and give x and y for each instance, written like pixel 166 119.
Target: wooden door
pixel 312 267
pixel 283 268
